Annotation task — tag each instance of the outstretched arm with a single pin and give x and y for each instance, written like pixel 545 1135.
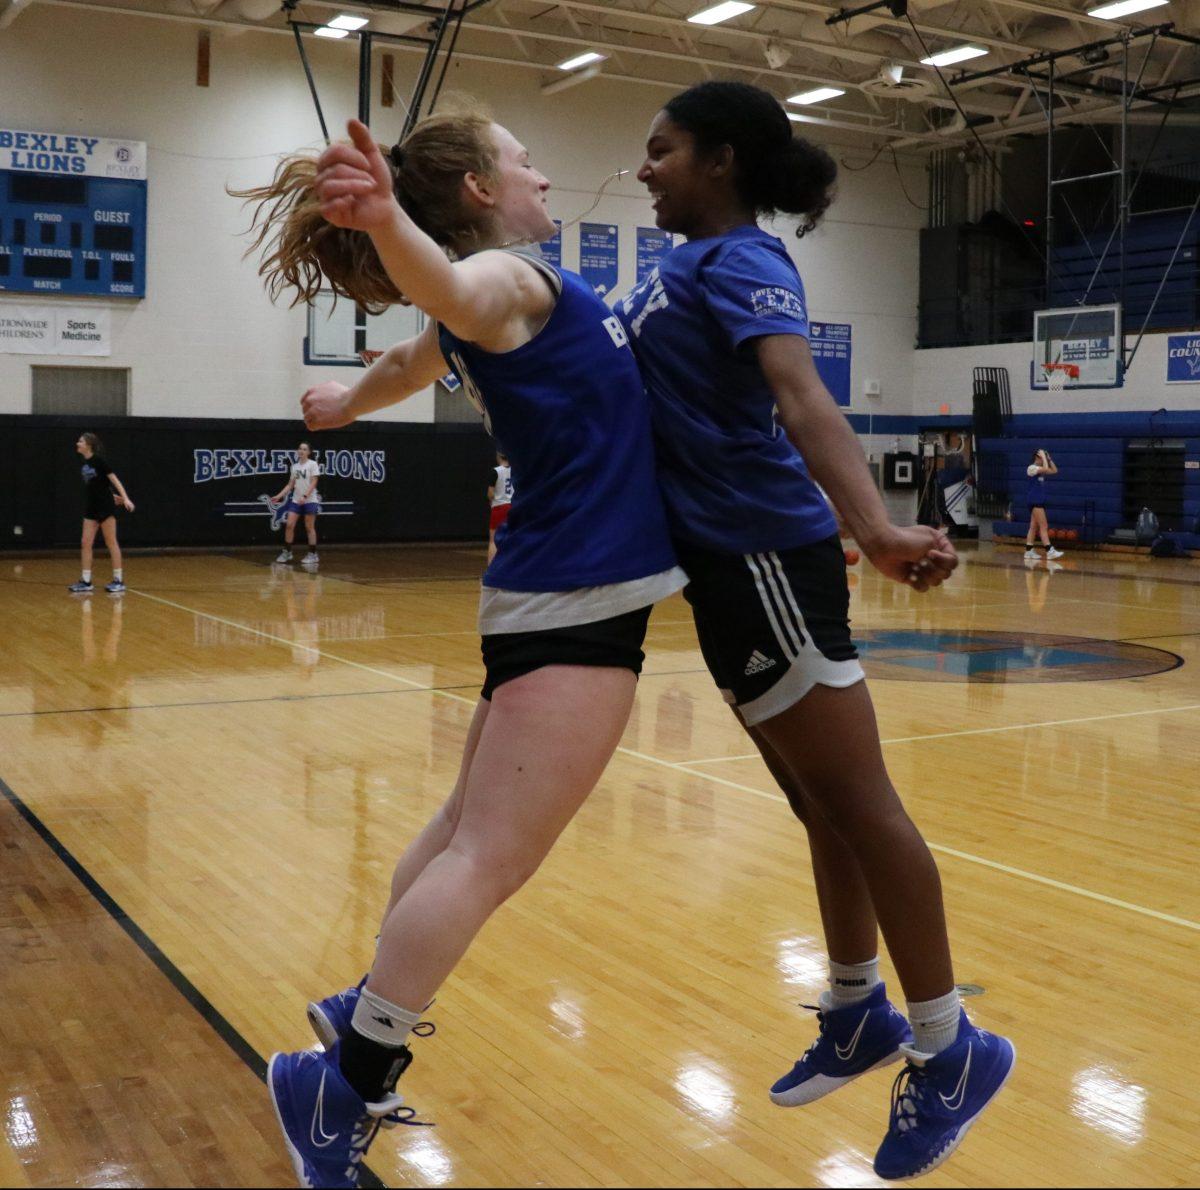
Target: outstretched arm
pixel 477 299
pixel 400 372
pixel 819 430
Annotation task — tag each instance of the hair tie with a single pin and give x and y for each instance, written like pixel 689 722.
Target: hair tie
pixel 397 155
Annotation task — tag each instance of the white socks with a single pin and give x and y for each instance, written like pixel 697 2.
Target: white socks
pixel 851 983
pixel 935 1022
pixel 379 1021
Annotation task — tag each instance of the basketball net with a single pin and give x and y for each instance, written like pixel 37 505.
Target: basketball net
pixel 369 357
pixel 1058 374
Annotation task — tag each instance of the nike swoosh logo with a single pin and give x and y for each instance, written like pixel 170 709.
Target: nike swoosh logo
pixel 954 1102
pixel 318 1120
pixel 845 1054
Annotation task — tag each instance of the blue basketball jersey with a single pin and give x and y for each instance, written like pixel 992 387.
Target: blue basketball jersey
pixel 572 412
pixel 731 479
pixel 1035 490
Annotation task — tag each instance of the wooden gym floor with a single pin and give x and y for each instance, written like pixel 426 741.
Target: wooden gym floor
pixel 206 782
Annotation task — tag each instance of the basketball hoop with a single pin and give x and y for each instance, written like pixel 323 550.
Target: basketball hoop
pixel 369 357
pixel 1057 375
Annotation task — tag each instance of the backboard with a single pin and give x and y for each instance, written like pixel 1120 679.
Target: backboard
pixel 1086 338
pixel 337 333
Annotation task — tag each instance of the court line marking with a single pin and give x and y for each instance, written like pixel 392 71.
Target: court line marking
pixel 942 735
pixel 677 767
pixel 207 1010
pixel 1007 869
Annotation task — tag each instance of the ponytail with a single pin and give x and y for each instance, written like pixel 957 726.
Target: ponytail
pixel 304 253
pixel 775 170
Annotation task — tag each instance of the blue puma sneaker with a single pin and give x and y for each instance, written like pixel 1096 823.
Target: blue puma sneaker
pixel 326 1126
pixel 852 1042
pixel 330 1018
pixel 936 1099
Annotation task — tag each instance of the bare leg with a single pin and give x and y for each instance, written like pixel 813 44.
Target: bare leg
pixel 491 545
pixel 310 527
pixel 438 832
pixel 109 529
pixel 289 529
pixel 545 743
pixel 86 542
pixel 830 741
pixel 1043 526
pixel 847 912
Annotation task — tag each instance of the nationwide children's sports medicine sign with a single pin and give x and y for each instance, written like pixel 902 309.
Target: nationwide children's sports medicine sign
pixel 55 330
pixel 1183 359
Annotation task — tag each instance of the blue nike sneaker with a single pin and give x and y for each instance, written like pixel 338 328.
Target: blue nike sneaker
pixel 326 1125
pixel 330 1018
pixel 936 1099
pixel 852 1042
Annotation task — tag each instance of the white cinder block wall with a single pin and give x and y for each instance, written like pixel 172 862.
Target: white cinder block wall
pixel 206 342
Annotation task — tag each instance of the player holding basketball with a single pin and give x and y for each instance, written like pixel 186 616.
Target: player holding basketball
pixel 741 417
pixel 303 501
pixel 103 492
pixel 500 495
pixel 1035 496
pixel 565 603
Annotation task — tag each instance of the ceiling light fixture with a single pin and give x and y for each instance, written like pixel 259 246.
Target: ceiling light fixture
pixel 581 60
pixel 1124 8
pixel 349 23
pixel 721 12
pixel 960 53
pixel 817 96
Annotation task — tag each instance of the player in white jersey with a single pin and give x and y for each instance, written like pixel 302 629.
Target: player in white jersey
pixel 303 500
pixel 500 496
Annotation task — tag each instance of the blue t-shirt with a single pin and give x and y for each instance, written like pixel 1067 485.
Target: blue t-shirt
pixel 572 412
pixel 731 479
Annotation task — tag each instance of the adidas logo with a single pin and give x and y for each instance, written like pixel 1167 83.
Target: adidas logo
pixel 757 663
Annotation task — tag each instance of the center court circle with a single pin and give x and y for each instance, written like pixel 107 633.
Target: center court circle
pixel 967 655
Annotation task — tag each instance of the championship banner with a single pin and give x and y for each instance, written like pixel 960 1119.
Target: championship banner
pixel 832 349
pixel 55 330
pixel 598 256
pixel 652 246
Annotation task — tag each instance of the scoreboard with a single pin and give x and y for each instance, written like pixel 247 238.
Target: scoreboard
pixel 72 214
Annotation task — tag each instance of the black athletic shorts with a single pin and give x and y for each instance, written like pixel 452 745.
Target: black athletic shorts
pixel 773 625
pixel 616 642
pixel 100 512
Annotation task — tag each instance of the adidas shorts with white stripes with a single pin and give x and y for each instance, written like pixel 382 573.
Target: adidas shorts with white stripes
pixel 772 626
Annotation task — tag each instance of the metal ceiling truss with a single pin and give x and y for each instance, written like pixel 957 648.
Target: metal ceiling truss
pixel 871 52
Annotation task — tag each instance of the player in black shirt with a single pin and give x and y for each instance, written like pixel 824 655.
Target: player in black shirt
pixel 102 493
